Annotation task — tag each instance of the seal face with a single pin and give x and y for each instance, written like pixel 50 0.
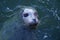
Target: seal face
pixel 30 17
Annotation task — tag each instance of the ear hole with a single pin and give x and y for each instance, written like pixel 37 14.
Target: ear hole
pixel 25 15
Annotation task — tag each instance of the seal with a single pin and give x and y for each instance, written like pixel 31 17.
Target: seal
pixel 21 24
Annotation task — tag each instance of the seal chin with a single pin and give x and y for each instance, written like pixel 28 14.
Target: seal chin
pixel 33 26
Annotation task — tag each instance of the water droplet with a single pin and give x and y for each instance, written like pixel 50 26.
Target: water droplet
pixel 45 36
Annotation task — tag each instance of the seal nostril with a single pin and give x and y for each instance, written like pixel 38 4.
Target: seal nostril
pixel 34 20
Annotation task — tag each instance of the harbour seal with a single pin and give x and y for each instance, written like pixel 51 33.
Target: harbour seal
pixel 20 26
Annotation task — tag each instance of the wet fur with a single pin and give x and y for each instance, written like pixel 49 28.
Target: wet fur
pixel 15 29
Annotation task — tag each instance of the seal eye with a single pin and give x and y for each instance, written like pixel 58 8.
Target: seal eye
pixel 26 14
pixel 35 14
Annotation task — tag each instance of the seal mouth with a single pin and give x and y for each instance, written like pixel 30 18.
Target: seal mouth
pixel 35 24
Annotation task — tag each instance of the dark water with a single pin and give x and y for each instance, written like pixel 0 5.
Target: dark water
pixel 49 13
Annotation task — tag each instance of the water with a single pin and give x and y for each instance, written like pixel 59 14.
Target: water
pixel 49 14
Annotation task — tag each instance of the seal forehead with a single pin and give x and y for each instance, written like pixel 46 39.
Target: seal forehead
pixel 28 10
